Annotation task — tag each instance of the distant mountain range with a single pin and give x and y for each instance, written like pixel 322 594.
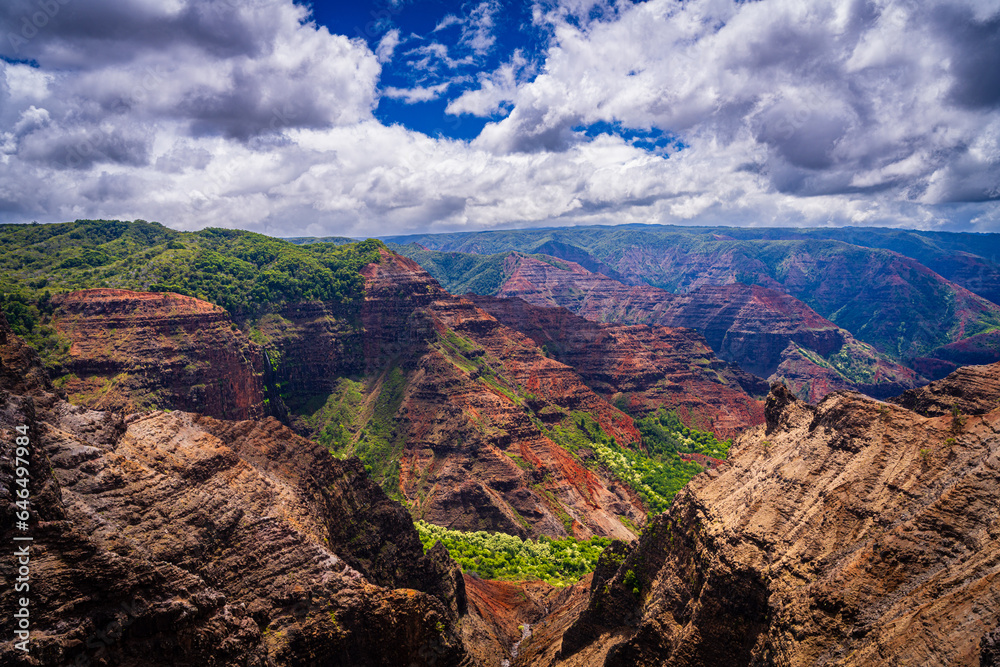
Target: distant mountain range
pixel 924 300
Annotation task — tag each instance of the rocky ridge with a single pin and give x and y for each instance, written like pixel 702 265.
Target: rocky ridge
pixel 973 390
pixel 641 367
pixel 849 533
pixel 475 412
pixel 763 331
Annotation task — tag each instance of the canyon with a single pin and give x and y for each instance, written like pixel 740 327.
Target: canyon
pixel 174 538
pixel 852 532
pixel 239 486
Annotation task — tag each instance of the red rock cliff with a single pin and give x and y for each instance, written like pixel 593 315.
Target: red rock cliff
pixel 135 350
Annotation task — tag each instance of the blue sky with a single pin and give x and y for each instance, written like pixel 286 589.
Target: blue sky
pixel 436 47
pixel 376 118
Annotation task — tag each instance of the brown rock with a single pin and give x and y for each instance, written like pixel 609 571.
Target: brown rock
pixel 974 390
pixel 643 367
pixel 140 350
pixel 851 533
pixel 474 415
pixel 171 538
pixel 748 325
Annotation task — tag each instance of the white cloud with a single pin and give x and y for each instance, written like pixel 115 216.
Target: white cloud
pixel 248 115
pixel 495 88
pixel 387 45
pixel 419 93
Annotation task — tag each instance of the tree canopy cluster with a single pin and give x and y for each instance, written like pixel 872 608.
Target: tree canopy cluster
pixel 502 556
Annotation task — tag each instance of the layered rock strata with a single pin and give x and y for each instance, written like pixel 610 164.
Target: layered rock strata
pixel 642 367
pixel 763 331
pixel 144 350
pixel 477 415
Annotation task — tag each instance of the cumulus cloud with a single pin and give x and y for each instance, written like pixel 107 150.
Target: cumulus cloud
pixel 824 98
pixel 246 113
pixel 494 88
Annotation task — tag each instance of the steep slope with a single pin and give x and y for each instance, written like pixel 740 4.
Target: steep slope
pixel 171 538
pixel 463 418
pixel 641 367
pixel 849 533
pixel 468 416
pixel 748 325
pixel 132 350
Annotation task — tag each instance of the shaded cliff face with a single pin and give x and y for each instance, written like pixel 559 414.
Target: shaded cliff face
pixel 471 417
pixel 500 611
pixel 171 538
pixel 139 350
pixel 850 533
pixel 641 367
pixel 748 325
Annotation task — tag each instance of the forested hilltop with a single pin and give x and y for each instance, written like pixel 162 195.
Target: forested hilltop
pixel 243 272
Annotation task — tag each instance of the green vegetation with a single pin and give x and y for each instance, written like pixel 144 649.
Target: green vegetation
pixel 380 445
pixel 246 273
pixel 502 556
pixel 461 273
pixel 957 420
pixel 664 433
pixel 347 428
pixel 657 475
pixel 656 479
pixel 339 416
pixel 633 583
pixel 480 274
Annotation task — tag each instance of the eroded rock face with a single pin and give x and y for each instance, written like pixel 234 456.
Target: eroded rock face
pixel 172 538
pixel 140 350
pixel 500 610
pixel 850 533
pixel 477 453
pixel 474 412
pixel 748 325
pixel 643 367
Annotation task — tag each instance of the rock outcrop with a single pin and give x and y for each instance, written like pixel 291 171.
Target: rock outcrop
pixel 644 368
pixel 849 533
pixel 977 350
pixel 974 390
pixel 143 350
pixel 173 538
pixel 747 325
